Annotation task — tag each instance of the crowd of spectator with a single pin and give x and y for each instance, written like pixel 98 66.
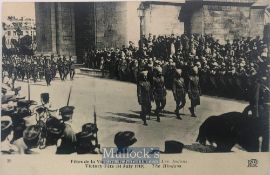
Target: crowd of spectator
pixel 229 69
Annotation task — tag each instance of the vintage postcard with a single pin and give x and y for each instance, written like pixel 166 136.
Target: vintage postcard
pixel 135 87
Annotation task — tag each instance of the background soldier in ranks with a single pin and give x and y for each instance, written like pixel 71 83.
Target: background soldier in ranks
pixel 159 91
pixel 71 69
pixel 179 92
pixel 53 68
pixel 48 73
pixel 194 90
pixel 60 67
pixel 144 94
pixel 34 69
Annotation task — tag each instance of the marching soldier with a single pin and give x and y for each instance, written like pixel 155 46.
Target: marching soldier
pixel 34 70
pixel 179 92
pixel 194 90
pixel 71 69
pixel 53 69
pixel 60 68
pixel 144 94
pixel 159 91
pixel 48 74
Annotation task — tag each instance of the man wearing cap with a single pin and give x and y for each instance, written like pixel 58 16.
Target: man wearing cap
pixel 6 136
pixel 194 90
pixel 123 140
pixel 144 94
pixel 19 118
pixel 179 92
pixel 159 91
pixel 30 140
pixel 68 141
pixel 54 132
pixel 87 140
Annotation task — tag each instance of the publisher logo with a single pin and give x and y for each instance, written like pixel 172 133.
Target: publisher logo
pixel 253 163
pixel 132 155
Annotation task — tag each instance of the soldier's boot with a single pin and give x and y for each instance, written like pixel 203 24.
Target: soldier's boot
pixel 158 118
pixel 178 114
pixel 144 123
pixel 191 109
pixel 143 117
pixel 182 105
pixel 163 104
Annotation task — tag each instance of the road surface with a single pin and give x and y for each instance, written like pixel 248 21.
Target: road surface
pixel 118 110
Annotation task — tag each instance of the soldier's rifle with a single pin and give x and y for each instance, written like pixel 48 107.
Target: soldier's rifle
pixel 96 129
pixel 29 95
pixel 70 89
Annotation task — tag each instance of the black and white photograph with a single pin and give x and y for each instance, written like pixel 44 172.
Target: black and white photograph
pixel 183 77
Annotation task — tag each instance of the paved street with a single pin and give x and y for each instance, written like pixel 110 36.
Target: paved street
pixel 118 110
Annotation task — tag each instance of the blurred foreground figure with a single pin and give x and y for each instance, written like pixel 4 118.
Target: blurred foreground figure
pixel 229 129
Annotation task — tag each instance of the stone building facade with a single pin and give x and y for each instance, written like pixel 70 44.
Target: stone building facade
pixel 15 28
pixel 70 28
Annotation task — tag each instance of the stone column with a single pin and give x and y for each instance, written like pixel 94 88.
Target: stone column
pixel 65 33
pixel 111 24
pixel 45 27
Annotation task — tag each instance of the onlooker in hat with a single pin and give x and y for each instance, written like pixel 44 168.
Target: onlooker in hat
pixel 123 140
pixel 86 139
pixel 68 141
pixel 53 133
pixel 30 140
pixel 6 136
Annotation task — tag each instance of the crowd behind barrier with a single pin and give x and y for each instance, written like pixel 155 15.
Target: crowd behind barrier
pixel 228 70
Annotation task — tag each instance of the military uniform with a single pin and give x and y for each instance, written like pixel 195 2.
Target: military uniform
pixel 159 92
pixel 72 70
pixel 144 94
pixel 194 91
pixel 48 74
pixel 179 92
pixel 68 140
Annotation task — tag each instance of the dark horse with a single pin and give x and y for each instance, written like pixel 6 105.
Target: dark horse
pixel 229 129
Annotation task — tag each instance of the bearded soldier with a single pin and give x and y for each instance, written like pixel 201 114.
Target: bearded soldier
pixel 144 94
pixel 159 91
pixel 179 92
pixel 194 90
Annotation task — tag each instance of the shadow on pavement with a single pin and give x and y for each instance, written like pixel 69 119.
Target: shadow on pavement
pixel 119 119
pixel 162 114
pixel 126 115
pixel 38 84
pixel 200 148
